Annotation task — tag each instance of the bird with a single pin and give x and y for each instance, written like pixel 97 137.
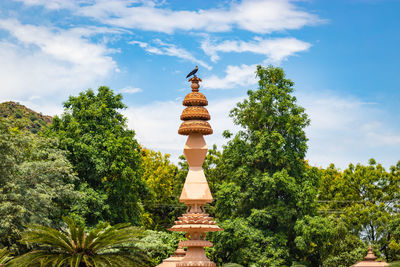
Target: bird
pixel 193 72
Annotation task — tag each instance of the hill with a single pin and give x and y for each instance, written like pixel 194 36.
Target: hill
pixel 23 117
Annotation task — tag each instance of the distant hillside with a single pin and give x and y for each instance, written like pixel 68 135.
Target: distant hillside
pixel 23 117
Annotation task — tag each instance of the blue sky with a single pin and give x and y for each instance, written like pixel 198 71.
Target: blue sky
pixel 342 55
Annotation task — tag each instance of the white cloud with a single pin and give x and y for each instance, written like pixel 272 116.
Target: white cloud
pixel 242 75
pixel 46 107
pixel 43 61
pixel 130 90
pixel 344 129
pixel 65 45
pixel 156 126
pixel 169 50
pixel 383 138
pixel 52 4
pixel 276 49
pixel 260 16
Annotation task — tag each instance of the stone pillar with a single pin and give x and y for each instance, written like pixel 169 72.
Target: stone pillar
pixel 195 193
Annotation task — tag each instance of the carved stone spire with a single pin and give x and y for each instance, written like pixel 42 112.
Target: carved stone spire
pixel 195 193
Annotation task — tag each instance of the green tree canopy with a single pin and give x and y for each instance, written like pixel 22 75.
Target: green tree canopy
pixel 266 180
pixel 273 125
pixel 366 198
pixel 104 153
pixel 326 241
pixel 394 239
pixel 36 182
pixel 242 243
pixel 159 245
pixel 163 206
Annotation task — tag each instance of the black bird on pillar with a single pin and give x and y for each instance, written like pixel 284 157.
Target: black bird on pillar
pixel 193 72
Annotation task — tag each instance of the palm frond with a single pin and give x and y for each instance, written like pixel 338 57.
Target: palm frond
pixel 47 236
pixel 4 256
pixel 33 258
pixel 114 235
pixel 134 260
pixel 103 246
pixel 93 234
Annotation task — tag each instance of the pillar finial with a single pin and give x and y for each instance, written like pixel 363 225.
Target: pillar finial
pixel 370 255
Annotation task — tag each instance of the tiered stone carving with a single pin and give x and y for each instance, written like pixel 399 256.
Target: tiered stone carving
pixel 195 193
pixel 195 116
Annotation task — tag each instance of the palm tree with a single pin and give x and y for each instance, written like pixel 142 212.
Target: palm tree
pixel 105 245
pixel 4 256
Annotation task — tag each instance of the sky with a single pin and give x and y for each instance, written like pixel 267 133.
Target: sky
pixel 343 56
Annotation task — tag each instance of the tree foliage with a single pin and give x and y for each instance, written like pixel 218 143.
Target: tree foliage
pixel 36 182
pixel 273 136
pixel 159 245
pixel 104 152
pixel 162 207
pixel 266 181
pixel 326 241
pixel 242 243
pixel 394 239
pixel 366 198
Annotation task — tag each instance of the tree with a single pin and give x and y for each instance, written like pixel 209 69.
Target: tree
pixel 394 240
pixel 365 197
pixel 160 174
pixel 325 241
pixel 266 180
pixel 273 125
pixel 102 246
pixel 104 152
pixel 36 183
pixel 393 230
pixel 314 238
pixel 242 243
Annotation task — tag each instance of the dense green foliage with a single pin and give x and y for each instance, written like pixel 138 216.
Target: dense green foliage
pixel 159 245
pixel 366 199
pixel 325 241
pixel 104 153
pixel 162 206
pixel 74 247
pixel 393 241
pixel 36 183
pixel 266 185
pixel 275 209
